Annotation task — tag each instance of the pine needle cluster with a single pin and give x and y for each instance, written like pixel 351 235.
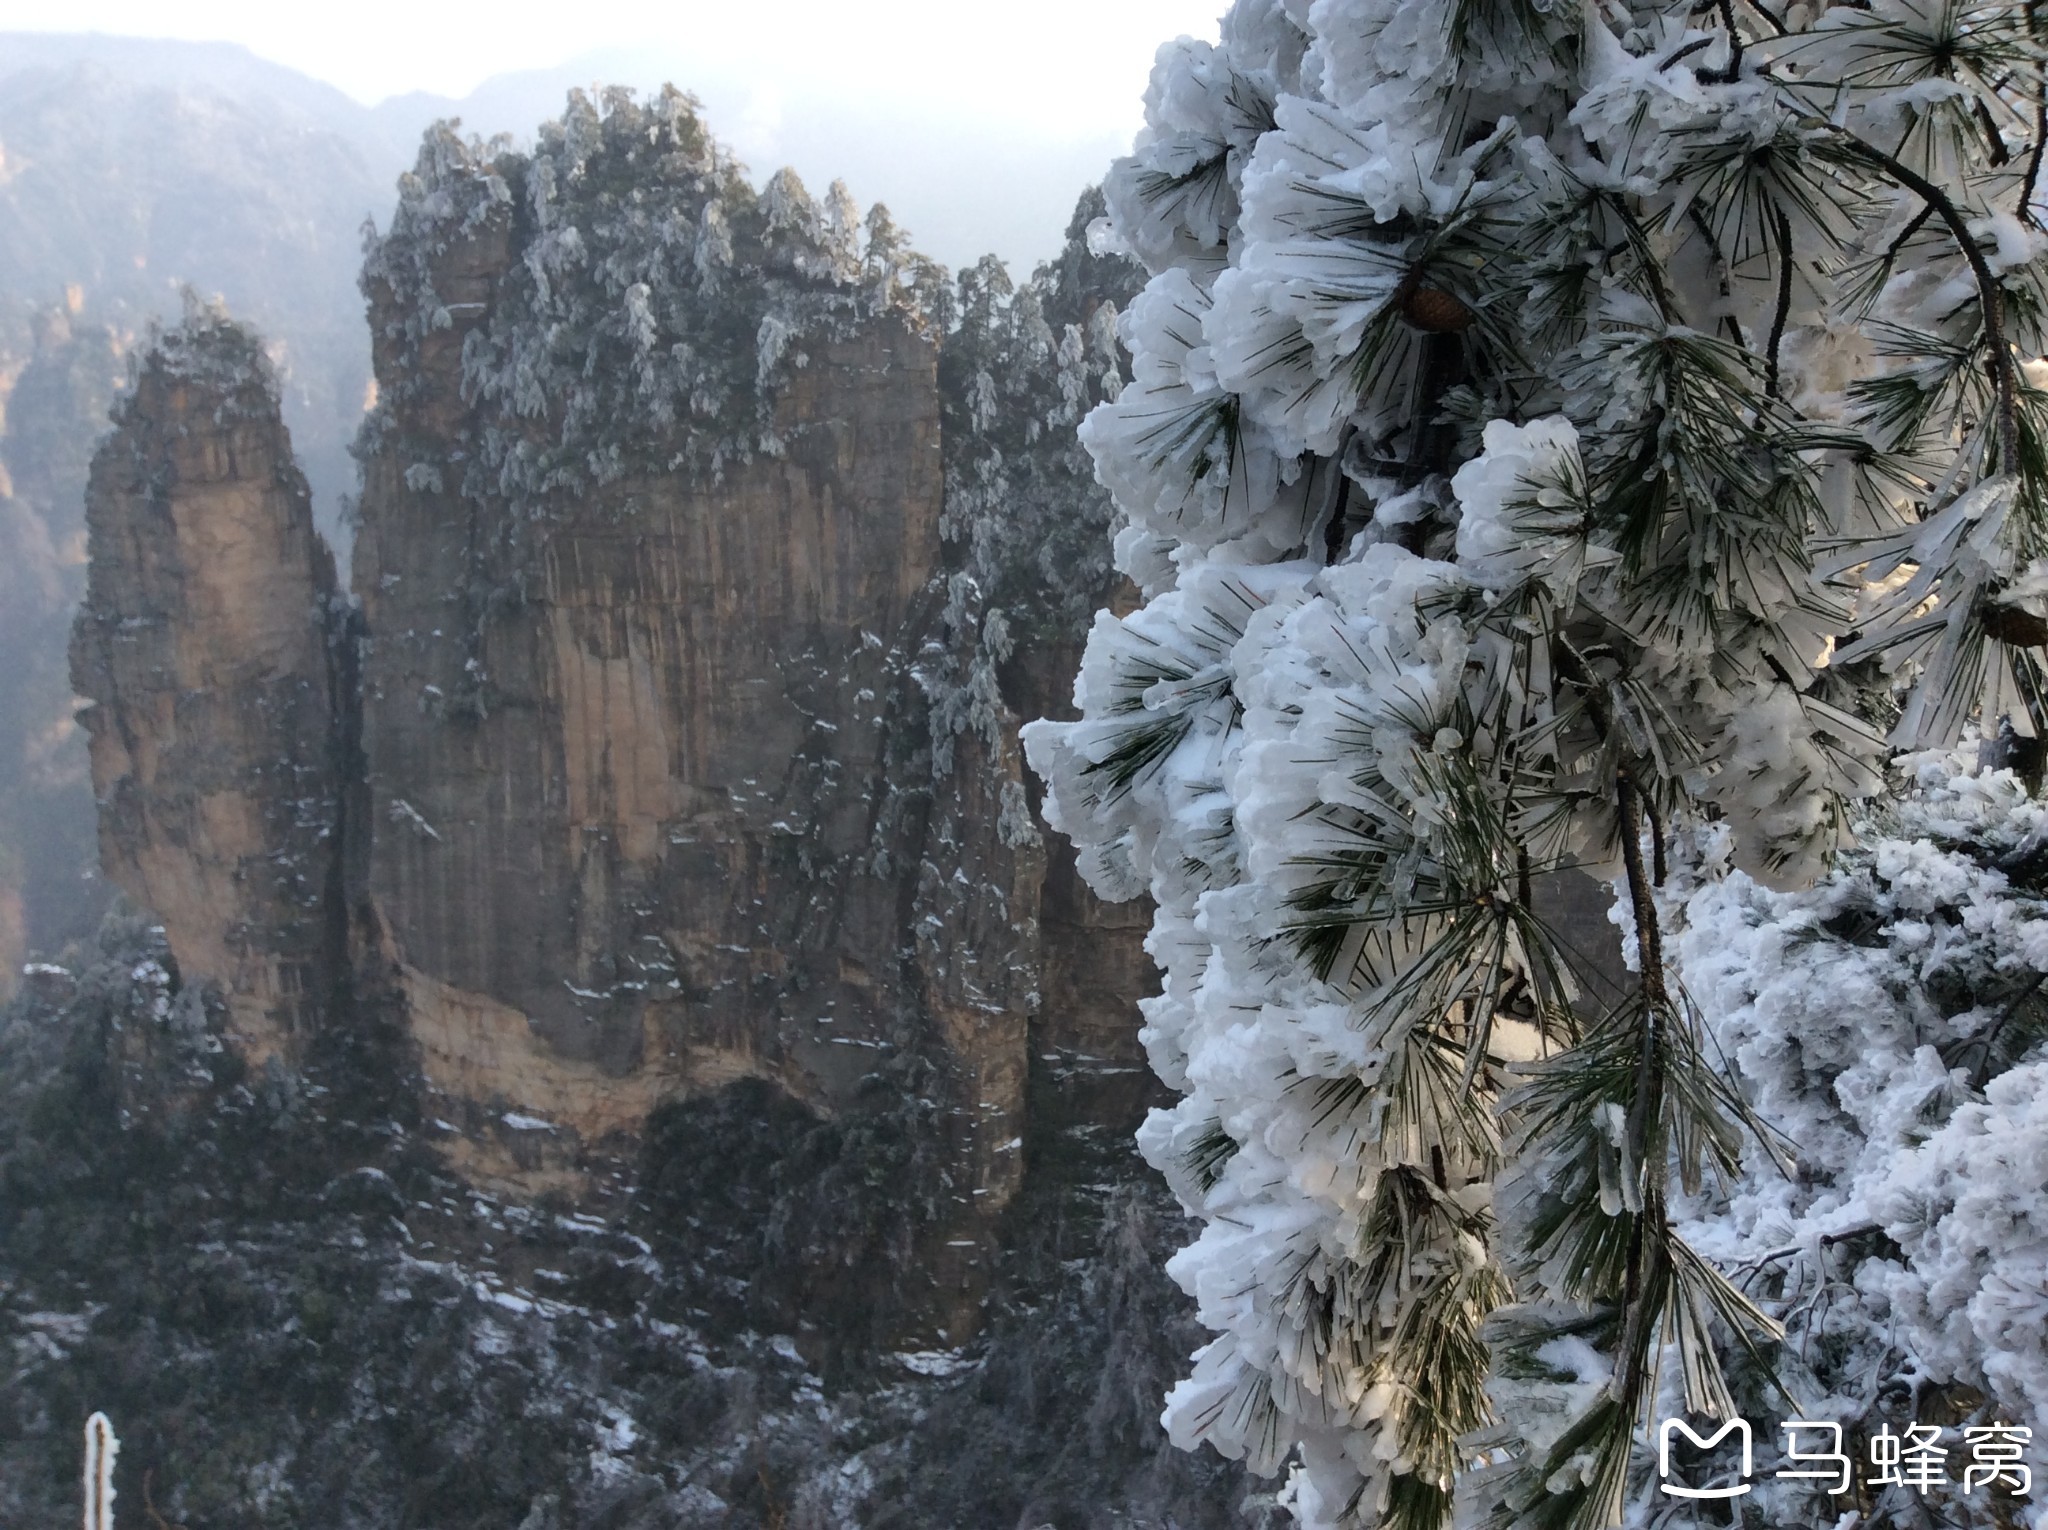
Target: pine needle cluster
pixel 1553 428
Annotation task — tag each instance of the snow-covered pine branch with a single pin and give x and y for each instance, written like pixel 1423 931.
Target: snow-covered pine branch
pixel 1553 428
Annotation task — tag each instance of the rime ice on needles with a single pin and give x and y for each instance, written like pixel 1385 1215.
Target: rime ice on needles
pixel 1552 429
pixel 1891 1022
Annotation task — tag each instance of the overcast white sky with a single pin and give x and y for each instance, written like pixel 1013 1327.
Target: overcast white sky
pixel 1064 69
pixel 977 121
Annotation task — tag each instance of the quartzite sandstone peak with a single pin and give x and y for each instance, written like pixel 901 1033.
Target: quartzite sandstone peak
pixel 203 646
pixel 653 599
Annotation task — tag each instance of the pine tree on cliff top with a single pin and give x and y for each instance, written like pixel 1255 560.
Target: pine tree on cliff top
pixel 1553 426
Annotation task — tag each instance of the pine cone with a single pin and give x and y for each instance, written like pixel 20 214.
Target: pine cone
pixel 1435 311
pixel 2013 625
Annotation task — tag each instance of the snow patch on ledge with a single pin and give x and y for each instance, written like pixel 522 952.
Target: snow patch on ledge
pixel 937 1363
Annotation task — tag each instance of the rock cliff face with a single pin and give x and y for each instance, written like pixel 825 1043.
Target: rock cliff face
pixel 668 754
pixel 203 646
pixel 626 821
pixel 652 809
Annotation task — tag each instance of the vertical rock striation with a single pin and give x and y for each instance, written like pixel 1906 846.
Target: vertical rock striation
pixel 625 817
pixel 203 647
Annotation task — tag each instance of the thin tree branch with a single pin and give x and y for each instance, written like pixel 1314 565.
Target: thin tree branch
pixel 2027 680
pixel 1656 822
pixel 1679 55
pixel 1994 141
pixel 1649 935
pixel 1650 1224
pixel 2033 175
pixel 1706 232
pixel 1913 226
pixel 1990 296
pixel 1764 11
pixel 1734 40
pixel 1782 228
pixel 1333 534
pixel 1827 1240
pixel 156 1519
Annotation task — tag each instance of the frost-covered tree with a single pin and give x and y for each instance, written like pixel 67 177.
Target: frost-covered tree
pixel 657 309
pixel 100 1449
pixel 1891 1022
pixel 1554 428
pixel 1022 364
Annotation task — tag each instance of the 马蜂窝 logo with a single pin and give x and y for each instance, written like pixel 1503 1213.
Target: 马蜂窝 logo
pixel 1916 1460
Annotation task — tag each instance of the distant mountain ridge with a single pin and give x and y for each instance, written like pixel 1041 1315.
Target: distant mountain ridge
pixel 133 170
pixel 964 188
pixel 228 68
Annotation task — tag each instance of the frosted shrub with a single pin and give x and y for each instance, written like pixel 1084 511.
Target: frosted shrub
pixel 1891 1023
pixel 1555 432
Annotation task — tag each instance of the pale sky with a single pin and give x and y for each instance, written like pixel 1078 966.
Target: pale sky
pixel 1049 69
pixel 977 121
